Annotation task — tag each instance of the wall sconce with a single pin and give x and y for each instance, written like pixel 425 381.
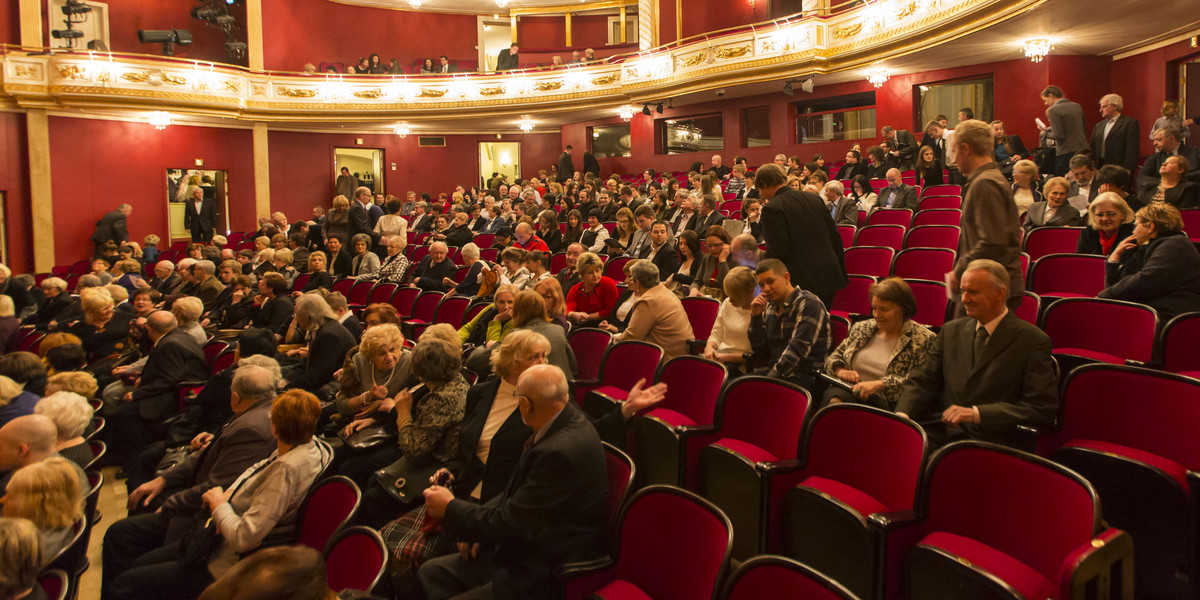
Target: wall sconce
pixel 525 124
pixel 877 77
pixel 626 113
pixel 159 119
pixel 401 130
pixel 1037 49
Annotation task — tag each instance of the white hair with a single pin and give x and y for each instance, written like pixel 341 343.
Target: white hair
pixel 70 412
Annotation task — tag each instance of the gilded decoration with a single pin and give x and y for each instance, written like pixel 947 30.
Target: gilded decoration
pixel 26 70
pixel 733 52
pixel 605 80
pixel 547 86
pixel 846 31
pixel 71 72
pixel 297 93
pixel 692 60
pixel 140 77
pixel 173 80
pixel 431 93
pixel 493 91
pixel 371 94
pixel 907 10
pixel 231 86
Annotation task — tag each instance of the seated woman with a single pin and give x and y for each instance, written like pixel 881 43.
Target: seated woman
pixel 618 242
pixel 658 316
pixel 103 331
pixel 928 169
pixel 556 304
pixel 1026 184
pixel 126 272
pixel 14 402
pixel 260 505
pixel 529 314
pixel 863 194
pixel 511 270
pixel 1110 220
pixel 474 278
pixel 233 310
pixel 594 296
pixel 537 263
pixel 1054 211
pixel 459 233
pixel 710 275
pixel 729 342
pixel 680 281
pixel 283 266
pixel 381 366
pixel 752 217
pixel 329 341
pixel 1158 265
pixel 21 560
pixel 318 277
pixel 394 265
pixel 623 308
pixel 379 314
pixel 26 369
pixel 549 232
pixel 187 312
pixel 71 414
pixel 487 329
pixel 1173 187
pixel 575 227
pixel 47 493
pixel 365 264
pixel 875 358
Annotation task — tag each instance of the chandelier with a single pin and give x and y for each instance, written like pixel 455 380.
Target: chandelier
pixel 626 113
pixel 525 124
pixel 416 4
pixel 877 77
pixel 1037 49
pixel 401 130
pixel 159 119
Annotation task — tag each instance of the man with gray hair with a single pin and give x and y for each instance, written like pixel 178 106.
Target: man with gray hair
pixel 161 509
pixel 208 288
pixel 987 374
pixel 1167 143
pixel 743 250
pixel 359 216
pixel 1116 137
pixel 434 268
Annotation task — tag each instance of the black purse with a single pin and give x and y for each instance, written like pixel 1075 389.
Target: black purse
pixel 406 480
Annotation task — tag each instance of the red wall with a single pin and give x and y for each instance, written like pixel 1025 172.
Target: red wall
pixel 10 23
pixel 703 19
pixel 1145 80
pixel 97 165
pixel 14 175
pixel 302 31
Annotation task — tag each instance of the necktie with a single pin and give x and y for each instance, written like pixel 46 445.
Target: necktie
pixel 981 337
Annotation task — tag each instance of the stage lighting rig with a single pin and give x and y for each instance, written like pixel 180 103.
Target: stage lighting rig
pixel 76 12
pixel 167 37
pixel 215 13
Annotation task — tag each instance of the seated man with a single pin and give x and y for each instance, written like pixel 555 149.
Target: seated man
pixel 789 324
pixel 551 513
pixel 26 440
pixel 897 194
pixel 435 267
pixel 567 277
pixel 986 373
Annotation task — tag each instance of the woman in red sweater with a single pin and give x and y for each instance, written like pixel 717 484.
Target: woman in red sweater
pixel 594 296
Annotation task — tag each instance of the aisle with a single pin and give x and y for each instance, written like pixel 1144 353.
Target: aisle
pixel 112 509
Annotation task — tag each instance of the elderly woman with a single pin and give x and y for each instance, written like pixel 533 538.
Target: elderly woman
pixel 714 265
pixel 264 262
pixel 875 358
pixel 1157 265
pixel 47 493
pixel 843 210
pixel 329 341
pixel 1025 185
pixel 187 312
pixel 391 224
pixel 729 341
pixel 658 316
pixel 26 369
pixel 76 382
pixel 474 277
pixel 103 330
pixel 262 503
pixel 511 269
pixel 1110 220
pixel 14 402
pixel 382 366
pixel 126 272
pixel 529 314
pixel 71 414
pixel 337 221
pixel 365 265
pixel 594 296
pixel 1054 211
pixel 556 304
pixel 318 275
pixel 1173 188
pixel 379 314
pixel 21 559
pixel 623 308
pixel 53 289
pixel 488 328
pixel 283 265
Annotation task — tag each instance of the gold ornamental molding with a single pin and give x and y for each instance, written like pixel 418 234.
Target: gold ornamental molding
pixel 853 39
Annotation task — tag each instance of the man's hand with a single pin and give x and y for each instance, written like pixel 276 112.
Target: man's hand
pixel 201 440
pixel 952 280
pixel 214 497
pixel 640 399
pixel 956 415
pixel 759 305
pixel 1126 245
pixel 436 500
pixel 468 550
pixel 128 397
pixel 146 492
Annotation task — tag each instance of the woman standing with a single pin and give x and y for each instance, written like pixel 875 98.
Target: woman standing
pixel 337 221
pixel 391 224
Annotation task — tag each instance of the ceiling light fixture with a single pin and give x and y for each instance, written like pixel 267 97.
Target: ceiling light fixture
pixel 659 108
pixel 401 130
pixel 1037 49
pixel 877 77
pixel 626 113
pixel 416 4
pixel 159 119
pixel 525 124
pixel 501 3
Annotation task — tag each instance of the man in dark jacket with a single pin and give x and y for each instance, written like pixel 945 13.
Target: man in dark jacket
pixel 359 216
pixel 111 228
pixel 1116 138
pixel 200 216
pixel 435 267
pixel 508 59
pixel 566 168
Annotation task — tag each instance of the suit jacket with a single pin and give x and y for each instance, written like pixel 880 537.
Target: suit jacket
pixel 667 259
pixel 1149 174
pixel 52 311
pixel 1012 384
pixel 566 168
pixel 208 291
pixel 701 224
pixel 164 286
pixel 990 226
pixel 340 264
pixel 848 171
pixel 1065 216
pixel 800 232
pixel 904 196
pixel 906 147
pixel 242 441
pixel 507 61
pixel 274 314
pixel 1067 127
pixel 551 512
pixel 1093 190
pixel 326 353
pixel 505 449
pixel 360 222
pixel 429 276
pixel 176 358
pixel 1164 274
pixel 846 212
pixel 1121 145
pixel 202 223
pixel 110 227
pixel 422 223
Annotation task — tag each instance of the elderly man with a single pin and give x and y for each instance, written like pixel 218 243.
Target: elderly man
pixel 551 513
pixel 987 373
pixel 685 213
pixel 990 227
pixel 1083 181
pixel 208 287
pixel 788 324
pixel 657 315
pixel 111 228
pixel 175 357
pixel 744 252
pixel 717 168
pixel 568 277
pixel 897 194
pixel 23 302
pixel 528 240
pixel 1166 145
pixel 1067 127
pixel 708 215
pixel 1116 137
pixel 200 216
pixel 345 183
pixel 26 440
pixel 54 289
pixel 360 217
pixel 422 221
pixel 435 267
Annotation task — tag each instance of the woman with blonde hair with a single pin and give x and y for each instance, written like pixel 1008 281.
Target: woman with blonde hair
pixel 729 341
pixel 103 331
pixel 382 366
pixel 14 401
pixel 71 414
pixel 1109 221
pixel 318 274
pixel 283 266
pixel 21 559
pixel 47 493
pixel 590 300
pixel 328 343
pixel 1026 185
pixel 529 314
pixel 337 221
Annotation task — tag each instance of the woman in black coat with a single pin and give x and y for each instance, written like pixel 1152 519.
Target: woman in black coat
pixel 1109 221
pixel 1158 265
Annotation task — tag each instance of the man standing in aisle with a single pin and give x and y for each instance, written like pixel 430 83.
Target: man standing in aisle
pixel 566 168
pixel 200 217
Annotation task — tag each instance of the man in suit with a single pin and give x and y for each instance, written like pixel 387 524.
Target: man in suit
pixel 508 60
pixel 1115 139
pixel 216 460
pixel 568 277
pixel 608 209
pixel 990 227
pixel 175 357
pixel 1066 127
pixel 345 183
pixel 566 168
pixel 854 166
pixel 643 217
pixel 551 513
pixel 800 232
pixel 661 250
pixel 200 217
pixel 444 65
pixel 904 146
pixel 897 194
pixel 435 267
pixel 684 214
pixel 164 277
pixel 422 221
pixel 111 228
pixel 1166 145
pixel 359 218
pixel 987 373
pixel 708 216
pixel 1083 178
pixel 207 286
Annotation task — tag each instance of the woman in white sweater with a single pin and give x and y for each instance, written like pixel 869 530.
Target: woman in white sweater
pixel 729 341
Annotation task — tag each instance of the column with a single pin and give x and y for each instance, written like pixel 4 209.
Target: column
pixel 262 172
pixel 41 199
pixel 254 34
pixel 647 24
pixel 31 23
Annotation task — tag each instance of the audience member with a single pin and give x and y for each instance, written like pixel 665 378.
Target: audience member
pixel 430 274
pixel 282 572
pixel 47 493
pixel 1026 186
pixel 1116 138
pixel 21 560
pixel 1110 220
pixel 26 440
pixel 843 210
pixel 26 369
pixel 789 325
pixel 530 314
pixel 328 346
pixel 1065 126
pixel 714 265
pixel 1172 187
pixel 1157 265
pixel 897 194
pixel 729 341
pixel 594 296
pixel 1054 211
pixel 71 415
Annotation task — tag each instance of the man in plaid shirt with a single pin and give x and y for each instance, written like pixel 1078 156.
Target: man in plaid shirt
pixel 790 323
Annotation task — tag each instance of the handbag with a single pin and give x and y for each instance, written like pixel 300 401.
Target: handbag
pixel 405 480
pixel 367 437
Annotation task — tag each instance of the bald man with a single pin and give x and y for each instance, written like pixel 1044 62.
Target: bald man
pixel 26 440
pixel 897 194
pixel 551 513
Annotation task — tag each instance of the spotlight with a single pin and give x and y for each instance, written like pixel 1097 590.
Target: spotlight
pixel 207 12
pixel 787 89
pixel 167 37
pixel 76 12
pixel 646 109
pixel 67 34
pixel 659 109
pixel 806 86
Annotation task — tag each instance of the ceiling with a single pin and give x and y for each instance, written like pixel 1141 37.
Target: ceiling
pixel 475 7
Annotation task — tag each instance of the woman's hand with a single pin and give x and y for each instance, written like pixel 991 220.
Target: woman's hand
pixel 607 327
pixel 356 426
pixel 214 497
pixel 577 317
pixel 504 315
pixel 403 402
pixel 848 375
pixel 866 389
pixel 1126 244
pixel 367 409
pixel 724 254
pixel 710 353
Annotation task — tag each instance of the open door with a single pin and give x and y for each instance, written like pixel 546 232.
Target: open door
pixel 181 184
pixel 499 158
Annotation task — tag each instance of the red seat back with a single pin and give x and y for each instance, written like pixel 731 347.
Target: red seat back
pixel 477 306
pixel 778 577
pixel 620 481
pixel 847 233
pixel 1031 305
pixel 360 294
pixel 1191 223
pixel 54 584
pixel 588 344
pixel 869 260
pixel 701 313
pixel 450 310
pixel 1072 273
pixel 871 450
pixel 937 216
pixel 891 236
pixel 932 236
pixel 839 328
pixel 419 252
pixel 923 263
pixel 626 362
pixel 1075 323
pixel 615 269
pixel 342 286
pixel 932 302
pixel 355 560
pixel 484 240
pixel 1177 345
pixel 381 293
pixel 693 387
pixel 81 267
pixel 224 360
pixel 425 305
pixel 1051 240
pixel 939 202
pixel 853 299
pixel 891 216
pixel 403 299
pixel 329 506
pixel 300 281
pixel 943 190
pixel 769 413
pixel 213 349
pixel 558 262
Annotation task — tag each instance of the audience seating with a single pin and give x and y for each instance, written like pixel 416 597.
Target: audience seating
pixel 558 262
pixel 932 302
pixel 1100 330
pixel 702 314
pixel 422 312
pixel 1131 432
pixel 360 294
pixel 98 449
pixel 97 427
pixel 942 190
pixel 329 506
pixel 869 260
pixel 81 267
pixel 213 349
pixel 858 461
pixel 381 293
pixel 994 522
pixel 72 559
pixel 1177 345
pixel 355 559
pixel 937 216
pixel 1030 308
pixel 622 365
pixel 672 545
pixel 1067 275
pixel 761 420
pixel 930 202
pixel 403 300
pixel 923 263
pixel 778 577
pixel 1051 240
pixel 615 269
pixel 667 439
pixel 54 584
pixel 847 234
pixel 1191 224
pixel 852 299
pixel 300 281
pixel 890 216
pixel 891 236
pixel 839 328
pixel 621 475
pixel 588 344
pixel 932 236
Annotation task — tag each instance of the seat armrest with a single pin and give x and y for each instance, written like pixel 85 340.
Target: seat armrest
pixel 578 382
pixel 572 570
pixel 696 347
pixel 689 431
pixel 1097 563
pixel 779 467
pixel 891 521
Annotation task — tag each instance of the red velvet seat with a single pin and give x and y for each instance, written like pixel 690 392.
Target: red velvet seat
pixel 300 281
pixel 890 216
pixel 942 190
pixel 424 309
pixel 932 302
pixel 943 201
pixel 932 236
pixel 330 505
pixel 419 252
pixel 1191 223
pixel 54 584
pixel 672 545
pixel 1075 327
pixel 588 344
pixel 1177 343
pixel 355 560
pixel 891 236
pixel 847 234
pixel 937 216
pixel 213 349
pixel 702 314
pixel 760 421
pixel 343 286
pixel 381 293
pixel 622 365
pixel 1132 433
pixel 223 361
pixel 1030 307
pixel 451 310
pixel 923 263
pixel 839 328
pixel 857 461
pixel 404 299
pixel 777 577
pixel 558 262
pixel 852 299
pixel 667 439
pixel 360 294
pixel 1051 240
pixel 621 475
pixel 1067 275
pixel 994 522
pixel 869 260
